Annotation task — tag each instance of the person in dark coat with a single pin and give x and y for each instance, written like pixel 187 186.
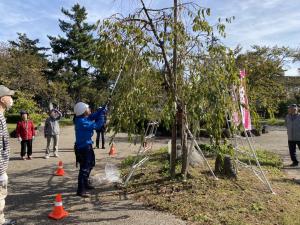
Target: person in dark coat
pixel 292 123
pixel 101 131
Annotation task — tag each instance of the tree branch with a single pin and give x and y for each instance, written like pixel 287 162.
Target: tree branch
pixel 161 45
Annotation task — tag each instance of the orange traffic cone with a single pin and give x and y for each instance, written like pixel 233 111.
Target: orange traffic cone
pixel 60 170
pixel 58 210
pixel 112 150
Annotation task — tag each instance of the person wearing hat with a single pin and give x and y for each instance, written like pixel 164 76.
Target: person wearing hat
pixel 25 133
pixel 292 123
pixel 51 131
pixel 6 102
pixel 85 125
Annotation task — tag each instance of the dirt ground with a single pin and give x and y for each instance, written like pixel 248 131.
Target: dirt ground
pixel 32 186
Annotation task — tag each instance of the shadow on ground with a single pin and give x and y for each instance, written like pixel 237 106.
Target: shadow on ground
pixel 34 199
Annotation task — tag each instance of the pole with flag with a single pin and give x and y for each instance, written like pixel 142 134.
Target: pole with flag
pixel 245 111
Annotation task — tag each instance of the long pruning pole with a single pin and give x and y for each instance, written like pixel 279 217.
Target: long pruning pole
pixel 119 75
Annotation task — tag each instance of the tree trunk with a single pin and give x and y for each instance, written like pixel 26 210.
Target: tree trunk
pixel 173 150
pixel 174 128
pixel 79 65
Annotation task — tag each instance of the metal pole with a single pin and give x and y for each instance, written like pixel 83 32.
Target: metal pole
pixel 201 153
pixel 118 77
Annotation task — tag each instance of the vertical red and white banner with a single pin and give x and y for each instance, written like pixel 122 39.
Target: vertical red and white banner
pixel 244 102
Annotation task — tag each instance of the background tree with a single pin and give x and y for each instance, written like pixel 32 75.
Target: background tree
pixel 264 68
pixel 151 36
pixel 74 52
pixel 26 45
pixel 23 70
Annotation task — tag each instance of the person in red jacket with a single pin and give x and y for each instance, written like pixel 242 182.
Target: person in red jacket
pixel 25 133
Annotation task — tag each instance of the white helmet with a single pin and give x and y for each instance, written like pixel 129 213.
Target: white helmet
pixel 80 108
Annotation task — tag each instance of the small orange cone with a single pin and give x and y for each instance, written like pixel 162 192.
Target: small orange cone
pixel 58 210
pixel 112 150
pixel 60 170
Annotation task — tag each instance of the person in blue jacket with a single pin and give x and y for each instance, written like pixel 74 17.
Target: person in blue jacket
pixel 101 131
pixel 85 125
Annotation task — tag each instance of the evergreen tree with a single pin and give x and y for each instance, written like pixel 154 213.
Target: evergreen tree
pixel 25 45
pixel 74 50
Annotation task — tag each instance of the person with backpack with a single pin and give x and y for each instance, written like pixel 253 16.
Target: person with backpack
pixel 51 132
pixel 25 133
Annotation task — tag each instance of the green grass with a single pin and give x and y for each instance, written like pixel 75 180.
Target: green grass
pixel 66 122
pixel 265 158
pixel 273 122
pixel 202 200
pixel 11 127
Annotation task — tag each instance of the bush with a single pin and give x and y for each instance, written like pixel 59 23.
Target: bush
pixel 12 118
pixel 265 157
pixel 36 118
pixel 24 102
pixel 66 122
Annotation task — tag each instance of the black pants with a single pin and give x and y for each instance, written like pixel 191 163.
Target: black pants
pixel 26 144
pixel 100 132
pixel 86 158
pixel 292 148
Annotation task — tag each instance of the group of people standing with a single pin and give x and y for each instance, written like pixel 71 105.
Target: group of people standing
pixel 25 132
pixel 85 124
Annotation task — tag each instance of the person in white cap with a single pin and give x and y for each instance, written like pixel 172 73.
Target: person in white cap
pixel 6 103
pixel 84 129
pixel 51 131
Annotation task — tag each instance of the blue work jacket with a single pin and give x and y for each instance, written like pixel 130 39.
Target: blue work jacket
pixel 85 126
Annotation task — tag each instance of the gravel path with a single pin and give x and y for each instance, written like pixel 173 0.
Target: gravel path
pixel 32 188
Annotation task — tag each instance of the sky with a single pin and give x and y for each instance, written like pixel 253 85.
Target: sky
pixel 257 22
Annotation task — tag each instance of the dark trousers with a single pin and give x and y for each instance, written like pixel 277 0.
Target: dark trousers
pixel 86 158
pixel 100 132
pixel 292 148
pixel 26 144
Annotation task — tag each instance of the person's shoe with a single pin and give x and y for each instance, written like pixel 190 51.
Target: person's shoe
pixel 294 164
pixel 97 147
pixel 29 158
pixel 83 195
pixel 46 156
pixel 56 155
pixel 9 222
pixel 23 158
pixel 103 147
